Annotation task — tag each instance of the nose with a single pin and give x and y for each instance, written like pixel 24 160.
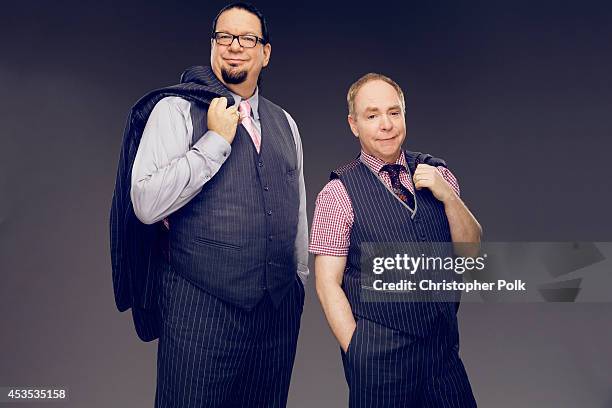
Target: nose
pixel 235 45
pixel 385 123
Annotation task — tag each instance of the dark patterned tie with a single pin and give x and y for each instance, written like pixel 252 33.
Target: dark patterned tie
pixel 402 192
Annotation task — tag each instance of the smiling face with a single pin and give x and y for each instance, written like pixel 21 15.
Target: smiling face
pixel 378 120
pixel 236 66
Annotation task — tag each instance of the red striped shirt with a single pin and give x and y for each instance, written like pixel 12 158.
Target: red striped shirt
pixel 333 216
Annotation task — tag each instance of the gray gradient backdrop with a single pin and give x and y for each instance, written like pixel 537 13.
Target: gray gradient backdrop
pixel 517 96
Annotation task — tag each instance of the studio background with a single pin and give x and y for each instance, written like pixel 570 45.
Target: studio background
pixel 516 96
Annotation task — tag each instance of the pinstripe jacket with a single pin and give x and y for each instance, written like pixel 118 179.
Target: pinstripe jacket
pixel 136 248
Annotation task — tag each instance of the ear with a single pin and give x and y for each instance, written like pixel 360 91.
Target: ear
pixel 353 125
pixel 212 50
pixel 267 50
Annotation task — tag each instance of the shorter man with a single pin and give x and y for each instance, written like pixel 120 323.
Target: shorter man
pixel 395 354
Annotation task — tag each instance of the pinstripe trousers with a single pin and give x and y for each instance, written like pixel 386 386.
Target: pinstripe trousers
pixel 214 354
pixel 389 368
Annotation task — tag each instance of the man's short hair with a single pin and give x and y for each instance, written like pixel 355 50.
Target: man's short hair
pixel 372 76
pixel 251 9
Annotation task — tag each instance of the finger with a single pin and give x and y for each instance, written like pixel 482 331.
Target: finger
pixel 423 175
pixel 420 169
pixel 233 112
pixel 222 104
pixel 422 180
pixel 213 103
pixel 424 168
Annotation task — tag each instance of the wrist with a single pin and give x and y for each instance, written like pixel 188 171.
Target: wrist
pixel 450 197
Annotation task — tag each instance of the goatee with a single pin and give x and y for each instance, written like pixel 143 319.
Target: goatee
pixel 236 77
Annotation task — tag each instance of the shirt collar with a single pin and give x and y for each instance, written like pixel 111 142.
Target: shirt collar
pixel 376 164
pixel 253 101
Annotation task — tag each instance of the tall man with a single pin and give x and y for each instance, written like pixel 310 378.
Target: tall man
pixel 219 169
pixel 394 354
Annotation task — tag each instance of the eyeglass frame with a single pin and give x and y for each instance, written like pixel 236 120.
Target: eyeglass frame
pixel 258 40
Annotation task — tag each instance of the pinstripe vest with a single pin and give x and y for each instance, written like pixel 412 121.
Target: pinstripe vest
pixel 378 213
pixel 236 238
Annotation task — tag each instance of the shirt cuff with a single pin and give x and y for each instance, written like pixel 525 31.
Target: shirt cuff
pixel 450 179
pixel 303 272
pixel 327 250
pixel 213 146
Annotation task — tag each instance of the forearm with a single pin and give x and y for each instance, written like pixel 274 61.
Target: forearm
pixel 159 188
pixel 464 227
pixel 159 193
pixel 335 304
pixel 337 311
pixel 301 239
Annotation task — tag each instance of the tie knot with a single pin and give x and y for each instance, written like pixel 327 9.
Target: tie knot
pixel 392 169
pixel 245 109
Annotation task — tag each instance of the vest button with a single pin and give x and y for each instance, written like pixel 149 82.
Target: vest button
pixel 266 188
pixel 260 164
pixel 269 212
pixel 270 237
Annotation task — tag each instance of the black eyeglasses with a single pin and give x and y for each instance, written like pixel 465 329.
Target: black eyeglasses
pixel 246 41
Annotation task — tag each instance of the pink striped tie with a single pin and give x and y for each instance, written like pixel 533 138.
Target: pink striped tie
pixel 249 125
